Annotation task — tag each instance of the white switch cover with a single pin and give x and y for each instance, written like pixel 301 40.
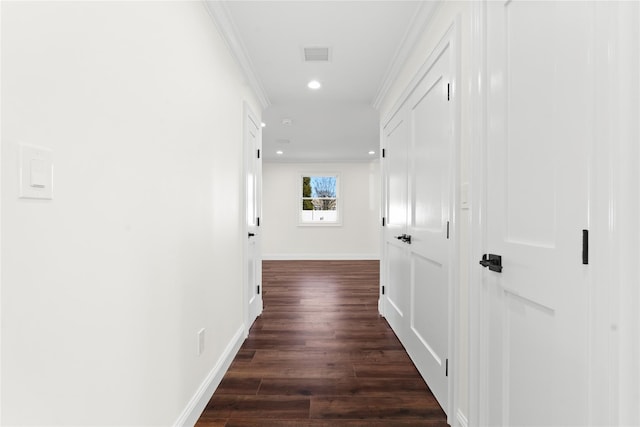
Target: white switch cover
pixel 201 341
pixel 36 172
pixel 464 196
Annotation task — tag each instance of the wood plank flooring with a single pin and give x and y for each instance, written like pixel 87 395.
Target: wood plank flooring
pixel 320 355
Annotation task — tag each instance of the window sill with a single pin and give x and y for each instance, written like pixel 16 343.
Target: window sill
pixel 320 224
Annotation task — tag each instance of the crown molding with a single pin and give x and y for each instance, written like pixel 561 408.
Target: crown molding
pixel 222 18
pixel 418 24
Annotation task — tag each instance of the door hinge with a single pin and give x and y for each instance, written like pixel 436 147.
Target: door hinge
pixel 448 91
pixel 258 222
pixel 446 369
pixel 258 289
pixel 447 229
pixel 585 246
pixel 382 289
pixel 384 153
pixel 258 153
pixel 383 221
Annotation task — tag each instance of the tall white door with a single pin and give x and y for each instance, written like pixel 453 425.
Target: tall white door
pixel 419 147
pixel 253 258
pixel 540 127
pixel 430 189
pixel 397 292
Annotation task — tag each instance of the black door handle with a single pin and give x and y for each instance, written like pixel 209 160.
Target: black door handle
pixel 494 262
pixel 252 234
pixel 406 238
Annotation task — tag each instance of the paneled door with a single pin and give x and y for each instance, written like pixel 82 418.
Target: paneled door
pixel 540 130
pixel 429 225
pixel 419 151
pixel 253 257
pixel 397 292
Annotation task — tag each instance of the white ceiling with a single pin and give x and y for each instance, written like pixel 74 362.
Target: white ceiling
pixel 337 122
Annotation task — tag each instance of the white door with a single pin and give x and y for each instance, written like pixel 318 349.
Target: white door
pixel 431 152
pixel 396 294
pixel 418 143
pixel 253 259
pixel 540 127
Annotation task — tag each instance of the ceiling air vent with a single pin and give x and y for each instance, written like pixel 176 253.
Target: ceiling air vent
pixel 316 54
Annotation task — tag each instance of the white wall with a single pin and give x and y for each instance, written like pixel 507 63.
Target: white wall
pixel 445 15
pixel 359 198
pixel 105 286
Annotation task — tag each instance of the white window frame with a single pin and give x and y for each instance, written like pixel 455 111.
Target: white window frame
pixel 299 199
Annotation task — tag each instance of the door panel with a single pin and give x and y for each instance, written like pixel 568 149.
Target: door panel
pixel 540 130
pixel 396 177
pixel 430 156
pixel 253 274
pixel 428 308
pixel 530 359
pixel 418 173
pixel 430 188
pixel 397 295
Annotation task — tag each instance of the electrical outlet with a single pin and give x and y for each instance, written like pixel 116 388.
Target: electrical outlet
pixel 201 341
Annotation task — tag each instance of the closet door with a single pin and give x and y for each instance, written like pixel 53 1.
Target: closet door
pixel 397 294
pixel 540 60
pixel 418 170
pixel 430 212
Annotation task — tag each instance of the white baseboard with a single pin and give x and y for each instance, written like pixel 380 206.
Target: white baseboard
pixel 462 420
pixel 199 401
pixel 321 257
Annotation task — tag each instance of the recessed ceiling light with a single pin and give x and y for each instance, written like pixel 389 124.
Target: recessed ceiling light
pixel 263 124
pixel 314 84
pixel 279 152
pixel 372 152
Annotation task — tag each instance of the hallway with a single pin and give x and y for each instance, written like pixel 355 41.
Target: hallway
pixel 482 155
pixel 321 355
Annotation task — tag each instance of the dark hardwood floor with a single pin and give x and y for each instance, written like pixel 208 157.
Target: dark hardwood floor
pixel 320 355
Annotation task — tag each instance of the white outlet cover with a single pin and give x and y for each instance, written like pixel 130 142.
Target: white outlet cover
pixel 36 172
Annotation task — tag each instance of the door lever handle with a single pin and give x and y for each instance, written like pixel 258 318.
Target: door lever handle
pixel 494 262
pixel 252 234
pixel 406 238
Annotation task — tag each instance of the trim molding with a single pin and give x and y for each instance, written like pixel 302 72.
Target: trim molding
pixel 477 376
pixel 448 38
pixel 222 18
pixel 320 257
pixel 198 402
pixel 418 23
pixel 3 142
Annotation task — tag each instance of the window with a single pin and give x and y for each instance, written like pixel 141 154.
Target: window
pixel 319 200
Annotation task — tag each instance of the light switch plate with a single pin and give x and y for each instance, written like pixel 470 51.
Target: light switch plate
pixel 36 172
pixel 464 196
pixel 201 341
